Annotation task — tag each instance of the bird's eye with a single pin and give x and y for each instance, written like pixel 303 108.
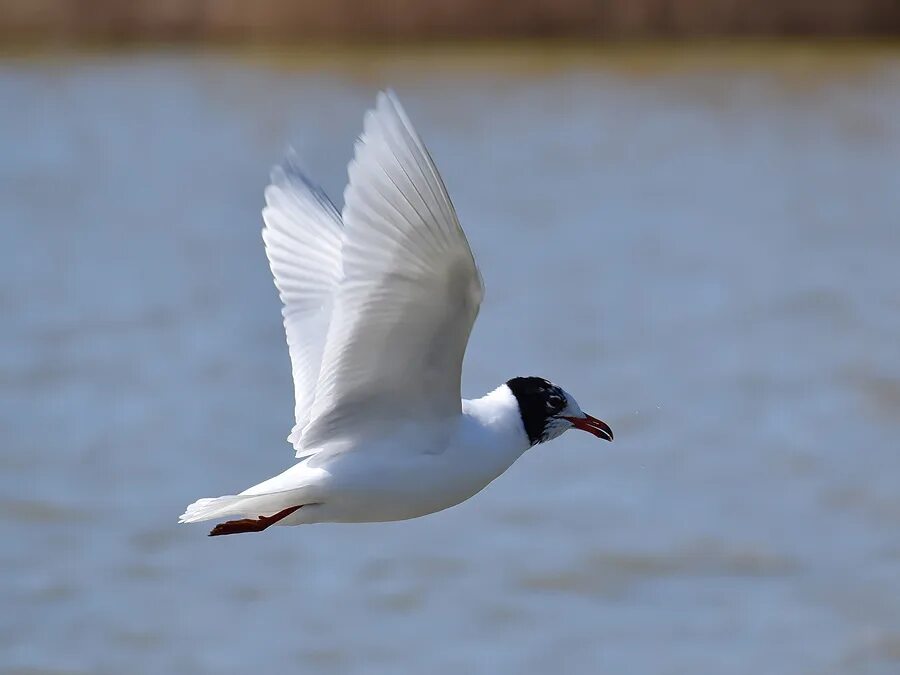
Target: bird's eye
pixel 555 403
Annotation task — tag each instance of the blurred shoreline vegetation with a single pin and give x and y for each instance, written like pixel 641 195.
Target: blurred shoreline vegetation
pixel 808 58
pixel 54 23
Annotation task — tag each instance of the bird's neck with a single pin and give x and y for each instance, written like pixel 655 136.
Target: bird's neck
pixel 498 416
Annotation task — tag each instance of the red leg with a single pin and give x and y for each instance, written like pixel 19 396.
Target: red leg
pixel 251 524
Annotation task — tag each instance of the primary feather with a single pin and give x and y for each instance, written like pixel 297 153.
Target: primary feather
pixel 408 294
pixel 303 236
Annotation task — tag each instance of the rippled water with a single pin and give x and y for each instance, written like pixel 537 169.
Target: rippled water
pixel 704 249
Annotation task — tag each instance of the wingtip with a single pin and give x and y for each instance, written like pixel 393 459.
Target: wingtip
pixel 387 101
pixel 384 96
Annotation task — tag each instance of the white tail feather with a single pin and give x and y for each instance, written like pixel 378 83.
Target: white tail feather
pixel 211 507
pixel 251 506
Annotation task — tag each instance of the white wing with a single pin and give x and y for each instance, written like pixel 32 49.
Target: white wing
pixel 409 295
pixel 303 243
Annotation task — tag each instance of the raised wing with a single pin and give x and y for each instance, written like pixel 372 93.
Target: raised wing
pixel 302 233
pixel 409 295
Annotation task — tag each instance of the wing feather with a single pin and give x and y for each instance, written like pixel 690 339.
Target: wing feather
pixel 409 293
pixel 302 235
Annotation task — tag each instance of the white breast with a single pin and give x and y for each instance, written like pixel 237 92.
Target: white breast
pixel 388 482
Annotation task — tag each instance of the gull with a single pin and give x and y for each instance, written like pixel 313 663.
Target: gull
pixel 379 300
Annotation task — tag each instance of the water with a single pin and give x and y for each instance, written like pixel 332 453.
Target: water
pixel 702 247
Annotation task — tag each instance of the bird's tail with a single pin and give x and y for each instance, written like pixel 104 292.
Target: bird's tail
pixel 212 507
pixel 252 506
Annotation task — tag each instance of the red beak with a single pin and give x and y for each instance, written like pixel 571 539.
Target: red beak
pixel 592 425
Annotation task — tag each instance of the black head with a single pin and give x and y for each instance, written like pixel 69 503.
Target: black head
pixel 547 410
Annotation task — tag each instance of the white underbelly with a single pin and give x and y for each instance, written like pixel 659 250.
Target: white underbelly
pixel 394 489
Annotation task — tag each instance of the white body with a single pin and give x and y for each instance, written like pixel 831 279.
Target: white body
pixel 406 473
pixel 379 301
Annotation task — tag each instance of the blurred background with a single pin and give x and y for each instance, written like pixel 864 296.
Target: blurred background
pixel 686 212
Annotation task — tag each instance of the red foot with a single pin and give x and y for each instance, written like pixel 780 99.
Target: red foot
pixel 251 524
